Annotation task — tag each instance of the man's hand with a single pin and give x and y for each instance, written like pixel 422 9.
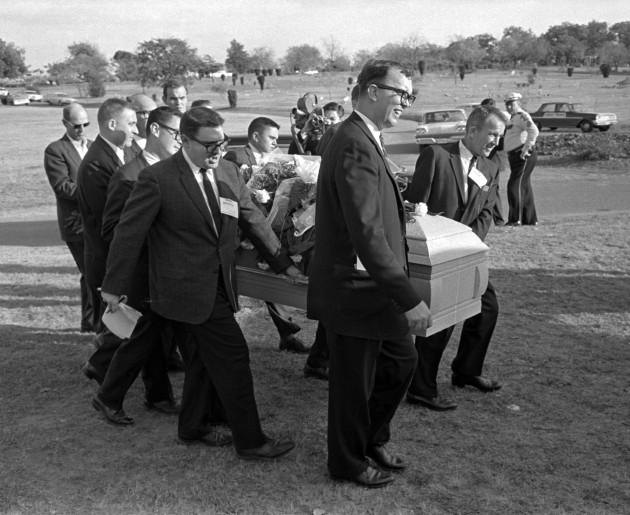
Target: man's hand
pixel 419 318
pixel 112 300
pixel 294 276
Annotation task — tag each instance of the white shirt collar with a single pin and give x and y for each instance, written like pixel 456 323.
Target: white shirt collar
pixel 150 158
pixel 80 145
pixel 371 126
pixel 257 155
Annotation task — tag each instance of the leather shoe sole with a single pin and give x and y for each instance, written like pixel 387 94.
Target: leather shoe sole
pixel 479 382
pixel 170 407
pixel 435 404
pixel 212 439
pixel 270 450
pixel 316 372
pixel 293 344
pixel 116 417
pixel 385 459
pixel 371 477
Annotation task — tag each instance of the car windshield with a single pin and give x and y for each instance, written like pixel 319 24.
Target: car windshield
pixel 444 116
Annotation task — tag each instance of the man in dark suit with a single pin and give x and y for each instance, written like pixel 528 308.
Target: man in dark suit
pixel 61 162
pixel 189 206
pixel 143 105
pixel 262 135
pixel 144 347
pixel 460 182
pixel 110 150
pixel 359 286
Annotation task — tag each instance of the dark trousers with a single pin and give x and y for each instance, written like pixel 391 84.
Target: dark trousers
pixel 319 355
pixel 520 193
pixel 90 318
pixel 282 320
pixel 471 353
pixel 142 351
pixel 218 357
pixel 367 381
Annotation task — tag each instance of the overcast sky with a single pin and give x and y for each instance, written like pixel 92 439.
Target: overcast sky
pixel 45 28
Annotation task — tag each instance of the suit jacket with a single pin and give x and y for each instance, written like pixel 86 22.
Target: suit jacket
pixel 61 162
pixel 93 176
pixel 185 253
pixel 360 215
pixel 241 156
pixel 438 182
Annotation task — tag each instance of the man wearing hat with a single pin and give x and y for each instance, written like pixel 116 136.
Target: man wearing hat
pixel 520 145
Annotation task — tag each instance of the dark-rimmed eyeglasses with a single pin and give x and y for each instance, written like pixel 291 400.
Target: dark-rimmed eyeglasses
pixel 177 135
pixel 405 98
pixel 143 113
pixel 212 146
pixel 77 126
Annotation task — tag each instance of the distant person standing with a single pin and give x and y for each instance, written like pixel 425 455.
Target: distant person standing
pixel 61 162
pixel 175 95
pixel 520 145
pixel 142 105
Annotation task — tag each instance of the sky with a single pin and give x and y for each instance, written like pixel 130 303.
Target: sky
pixel 45 28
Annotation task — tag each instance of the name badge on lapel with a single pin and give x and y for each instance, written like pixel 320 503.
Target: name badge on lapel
pixel 477 177
pixel 229 207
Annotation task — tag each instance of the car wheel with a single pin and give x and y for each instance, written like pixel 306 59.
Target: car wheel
pixel 604 129
pixel 586 126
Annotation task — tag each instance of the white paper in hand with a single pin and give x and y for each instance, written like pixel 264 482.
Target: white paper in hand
pixel 123 321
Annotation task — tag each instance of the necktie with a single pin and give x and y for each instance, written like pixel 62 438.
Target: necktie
pixel 212 199
pixel 470 182
pixel 380 138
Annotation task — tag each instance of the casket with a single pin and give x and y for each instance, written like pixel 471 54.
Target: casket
pixel 447 266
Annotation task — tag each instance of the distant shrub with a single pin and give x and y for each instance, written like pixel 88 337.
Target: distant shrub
pixel 585 147
pixel 96 88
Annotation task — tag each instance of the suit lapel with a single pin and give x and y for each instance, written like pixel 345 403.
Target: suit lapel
pixel 250 155
pixel 194 192
pixel 456 167
pixel 71 150
pixel 109 151
pixel 473 193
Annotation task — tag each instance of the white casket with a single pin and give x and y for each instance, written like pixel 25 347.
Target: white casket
pixel 447 265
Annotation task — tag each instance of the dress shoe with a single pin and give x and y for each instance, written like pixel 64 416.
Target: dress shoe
pixel 167 407
pixel 385 459
pixel 479 382
pixel 293 344
pixel 212 439
pixel 270 450
pixel 513 224
pixel 116 417
pixel 433 403
pixel 91 373
pixel 371 477
pixel 316 372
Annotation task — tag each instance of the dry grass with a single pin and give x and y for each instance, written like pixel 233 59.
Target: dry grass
pixel 560 349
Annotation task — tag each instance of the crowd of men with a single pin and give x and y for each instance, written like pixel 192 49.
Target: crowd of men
pixel 150 212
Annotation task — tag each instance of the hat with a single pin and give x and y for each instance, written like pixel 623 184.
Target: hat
pixel 513 96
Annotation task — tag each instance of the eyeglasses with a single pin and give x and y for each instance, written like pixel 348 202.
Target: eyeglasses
pixel 405 98
pixel 77 126
pixel 173 132
pixel 212 146
pixel 143 113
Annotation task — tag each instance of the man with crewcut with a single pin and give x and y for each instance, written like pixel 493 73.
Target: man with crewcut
pixel 61 162
pixel 175 95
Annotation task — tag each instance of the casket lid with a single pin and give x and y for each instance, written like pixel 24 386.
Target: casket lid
pixel 434 239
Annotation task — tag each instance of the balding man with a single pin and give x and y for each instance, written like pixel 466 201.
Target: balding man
pixel 175 95
pixel 110 150
pixel 61 162
pixel 142 105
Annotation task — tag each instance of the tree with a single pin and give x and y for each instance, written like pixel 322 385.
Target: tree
pixel 621 31
pixel 303 57
pixel 163 58
pixel 85 64
pixel 334 56
pixel 237 57
pixel 597 35
pixel 11 60
pixel 613 53
pixel 466 52
pixel 126 65
pixel 407 53
pixel 361 57
pixel 516 46
pixel 208 66
pixel 262 57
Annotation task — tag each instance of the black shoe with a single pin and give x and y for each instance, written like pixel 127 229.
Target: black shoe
pixel 479 382
pixel 434 403
pixel 168 407
pixel 212 439
pixel 499 223
pixel 116 417
pixel 270 450
pixel 385 459
pixel 91 373
pixel 513 224
pixel 371 477
pixel 293 344
pixel 316 372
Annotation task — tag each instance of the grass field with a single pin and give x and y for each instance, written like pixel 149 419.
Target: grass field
pixel 554 441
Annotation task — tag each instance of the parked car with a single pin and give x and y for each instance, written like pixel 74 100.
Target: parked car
pixel 33 95
pixel 440 126
pixel 552 115
pixel 17 99
pixel 468 107
pixel 59 99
